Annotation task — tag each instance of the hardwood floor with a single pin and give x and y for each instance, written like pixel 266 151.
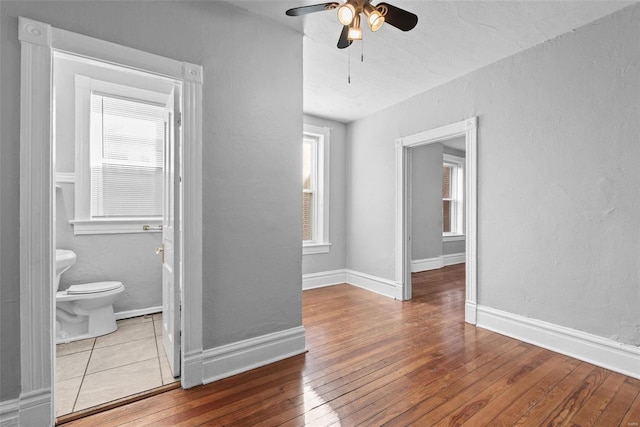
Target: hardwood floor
pixel 375 361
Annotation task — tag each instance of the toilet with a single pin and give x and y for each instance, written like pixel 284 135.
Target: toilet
pixel 83 311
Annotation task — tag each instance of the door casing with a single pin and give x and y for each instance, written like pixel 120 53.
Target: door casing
pixel 467 128
pixel 37 235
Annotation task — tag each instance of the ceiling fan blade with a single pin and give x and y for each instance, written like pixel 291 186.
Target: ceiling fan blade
pixel 343 41
pixel 399 18
pixel 303 10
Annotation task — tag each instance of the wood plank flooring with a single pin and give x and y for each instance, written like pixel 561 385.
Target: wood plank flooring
pixel 373 361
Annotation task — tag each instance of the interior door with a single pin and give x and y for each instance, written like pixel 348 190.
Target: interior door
pixel 170 243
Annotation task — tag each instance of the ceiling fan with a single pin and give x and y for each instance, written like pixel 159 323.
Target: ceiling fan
pixel 349 16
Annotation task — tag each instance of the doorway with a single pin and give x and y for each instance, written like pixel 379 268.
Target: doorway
pixel 113 151
pixel 467 130
pixel 39 41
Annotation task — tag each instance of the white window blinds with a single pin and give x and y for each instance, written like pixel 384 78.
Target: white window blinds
pixel 126 151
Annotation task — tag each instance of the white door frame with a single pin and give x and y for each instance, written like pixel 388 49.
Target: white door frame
pixel 37 317
pixel 469 129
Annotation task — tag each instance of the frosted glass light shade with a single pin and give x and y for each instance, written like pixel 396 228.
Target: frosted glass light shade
pixel 346 13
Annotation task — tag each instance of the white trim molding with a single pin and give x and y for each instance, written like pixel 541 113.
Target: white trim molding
pixel 320 140
pixel 37 234
pixel 323 279
pixel 231 359
pixel 368 282
pixel 115 226
pixel 315 248
pixel 469 129
pixel 36 224
pixel 9 413
pixel 128 314
pixel 386 287
pixel 426 264
pixel 451 259
pixel 590 348
pixel 66 177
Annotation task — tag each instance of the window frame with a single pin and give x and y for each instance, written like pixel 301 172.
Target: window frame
pixel 83 223
pixel 456 163
pixel 320 137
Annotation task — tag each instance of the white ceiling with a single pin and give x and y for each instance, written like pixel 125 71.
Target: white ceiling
pixel 452 38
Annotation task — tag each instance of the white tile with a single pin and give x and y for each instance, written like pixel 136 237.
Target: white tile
pixel 75 347
pixel 122 354
pixel 71 365
pixel 134 320
pixel 66 394
pixel 117 383
pixel 126 334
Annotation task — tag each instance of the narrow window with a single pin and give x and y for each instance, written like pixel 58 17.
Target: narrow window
pixel 315 190
pixel 309 193
pixel 452 195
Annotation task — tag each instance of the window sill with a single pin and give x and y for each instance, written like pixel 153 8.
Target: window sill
pixel 315 248
pixel 452 237
pixel 115 226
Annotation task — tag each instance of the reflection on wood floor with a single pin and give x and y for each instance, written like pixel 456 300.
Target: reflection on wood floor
pixel 375 361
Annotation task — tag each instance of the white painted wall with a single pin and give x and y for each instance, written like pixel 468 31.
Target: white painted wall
pixel 252 123
pixel 558 178
pixel 335 259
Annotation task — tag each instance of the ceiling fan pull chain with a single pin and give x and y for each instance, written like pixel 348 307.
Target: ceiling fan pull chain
pixel 362 52
pixel 349 67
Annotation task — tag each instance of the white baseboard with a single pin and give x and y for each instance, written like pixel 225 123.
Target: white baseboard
pixel 192 373
pixel 34 409
pixel 426 264
pixel 599 351
pixel 227 360
pixel 10 413
pixel 324 278
pixel 451 259
pixel 375 284
pixel 471 312
pixel 127 314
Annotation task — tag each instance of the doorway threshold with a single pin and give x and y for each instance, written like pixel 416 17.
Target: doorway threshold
pixel 64 419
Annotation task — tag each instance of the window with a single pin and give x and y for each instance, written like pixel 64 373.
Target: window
pixel 120 137
pixel 126 151
pixel 315 190
pixel 452 196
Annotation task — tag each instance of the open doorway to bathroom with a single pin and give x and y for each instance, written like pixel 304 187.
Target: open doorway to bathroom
pixel 115 130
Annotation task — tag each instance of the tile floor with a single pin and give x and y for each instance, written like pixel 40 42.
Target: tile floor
pixel 98 370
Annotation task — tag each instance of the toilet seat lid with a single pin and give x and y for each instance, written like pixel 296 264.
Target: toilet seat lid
pixel 90 288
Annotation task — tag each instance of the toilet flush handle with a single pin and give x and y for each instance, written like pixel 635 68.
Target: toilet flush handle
pixel 161 250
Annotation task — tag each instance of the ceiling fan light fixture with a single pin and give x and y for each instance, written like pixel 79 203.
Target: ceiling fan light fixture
pixel 375 19
pixel 347 13
pixel 355 32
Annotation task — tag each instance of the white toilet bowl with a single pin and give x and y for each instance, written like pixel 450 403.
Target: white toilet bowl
pixel 83 311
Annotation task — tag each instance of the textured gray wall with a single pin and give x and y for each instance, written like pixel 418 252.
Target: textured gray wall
pixel 426 201
pixel 252 122
pixel 335 259
pixel 558 178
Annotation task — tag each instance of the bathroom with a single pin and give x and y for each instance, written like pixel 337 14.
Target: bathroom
pixel 118 246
